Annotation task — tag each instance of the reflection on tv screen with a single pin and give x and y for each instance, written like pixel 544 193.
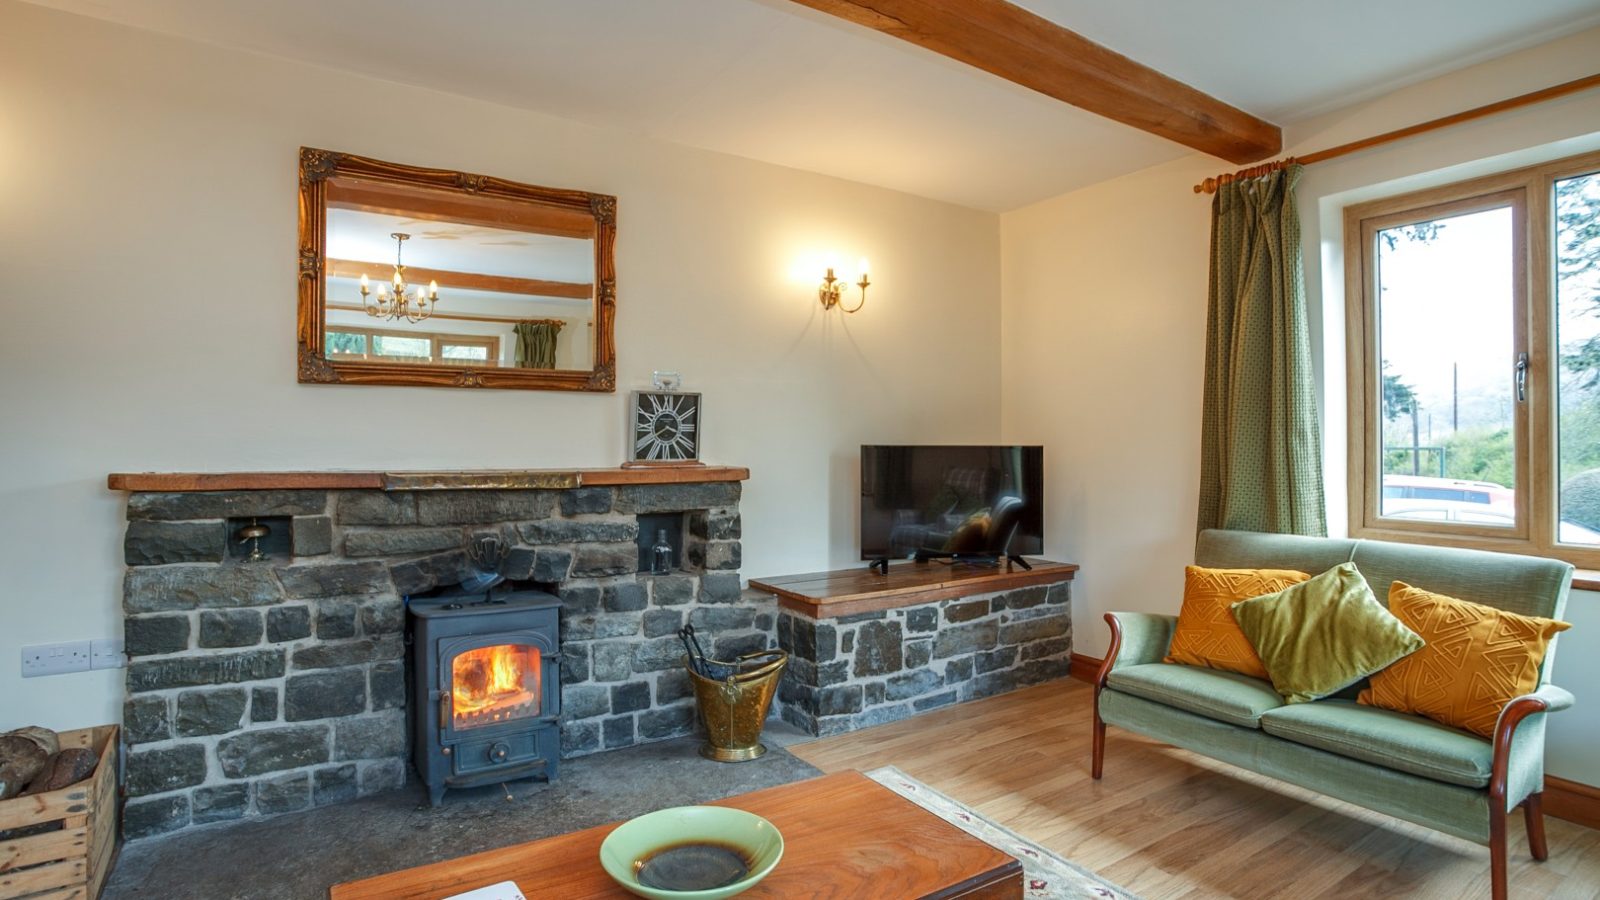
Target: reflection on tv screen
pixel 963 502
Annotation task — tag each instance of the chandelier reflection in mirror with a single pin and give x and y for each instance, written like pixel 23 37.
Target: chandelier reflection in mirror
pixel 403 303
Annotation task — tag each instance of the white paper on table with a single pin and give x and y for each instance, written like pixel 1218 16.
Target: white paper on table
pixel 505 890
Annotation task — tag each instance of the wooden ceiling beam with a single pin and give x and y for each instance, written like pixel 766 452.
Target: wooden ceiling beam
pixel 435 206
pixel 1032 51
pixel 378 273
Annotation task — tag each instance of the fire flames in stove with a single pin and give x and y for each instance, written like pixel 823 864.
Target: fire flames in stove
pixel 495 684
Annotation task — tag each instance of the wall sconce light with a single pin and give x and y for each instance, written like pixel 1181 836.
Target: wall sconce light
pixel 832 288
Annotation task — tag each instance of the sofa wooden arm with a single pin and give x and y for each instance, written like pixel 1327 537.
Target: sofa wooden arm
pixel 1145 636
pixel 1547 698
pixel 1135 638
pixel 1112 649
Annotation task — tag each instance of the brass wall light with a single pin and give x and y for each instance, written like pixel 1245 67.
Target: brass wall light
pixel 832 288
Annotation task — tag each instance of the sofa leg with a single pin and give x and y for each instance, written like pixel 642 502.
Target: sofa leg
pixel 1533 816
pixel 1497 852
pixel 1099 747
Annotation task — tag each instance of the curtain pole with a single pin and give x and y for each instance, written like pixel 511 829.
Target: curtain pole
pixel 1210 185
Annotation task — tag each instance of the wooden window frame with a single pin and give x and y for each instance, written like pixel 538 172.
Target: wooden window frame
pixel 487 341
pixel 436 342
pixel 1529 192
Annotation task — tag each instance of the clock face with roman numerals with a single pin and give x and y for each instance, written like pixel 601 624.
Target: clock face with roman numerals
pixel 666 426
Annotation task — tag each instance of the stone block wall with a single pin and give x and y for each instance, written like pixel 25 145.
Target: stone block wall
pixel 855 671
pixel 261 688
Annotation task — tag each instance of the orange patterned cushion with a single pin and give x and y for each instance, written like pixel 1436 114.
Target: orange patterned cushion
pixel 1207 634
pixel 1477 660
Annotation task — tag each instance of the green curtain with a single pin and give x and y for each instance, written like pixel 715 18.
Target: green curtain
pixel 1261 444
pixel 536 343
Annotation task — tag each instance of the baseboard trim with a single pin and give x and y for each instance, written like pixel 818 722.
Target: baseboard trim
pixel 1572 800
pixel 1084 668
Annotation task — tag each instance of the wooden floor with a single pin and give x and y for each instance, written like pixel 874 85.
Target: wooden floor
pixel 1167 823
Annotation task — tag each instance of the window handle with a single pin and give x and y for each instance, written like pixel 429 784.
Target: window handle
pixel 1522 378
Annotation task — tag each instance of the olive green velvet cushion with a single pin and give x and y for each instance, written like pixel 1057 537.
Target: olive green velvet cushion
pixel 1322 635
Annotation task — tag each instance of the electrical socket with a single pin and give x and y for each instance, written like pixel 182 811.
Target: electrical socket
pixel 106 653
pixel 54 659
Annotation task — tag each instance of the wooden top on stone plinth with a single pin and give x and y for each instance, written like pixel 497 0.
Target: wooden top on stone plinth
pixel 464 479
pixel 845 592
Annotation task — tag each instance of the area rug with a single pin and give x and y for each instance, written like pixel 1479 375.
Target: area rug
pixel 1045 875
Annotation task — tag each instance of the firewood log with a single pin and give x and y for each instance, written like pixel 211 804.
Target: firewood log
pixel 48 740
pixel 68 767
pixel 21 760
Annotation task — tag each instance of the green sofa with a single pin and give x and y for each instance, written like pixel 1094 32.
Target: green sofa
pixel 1406 766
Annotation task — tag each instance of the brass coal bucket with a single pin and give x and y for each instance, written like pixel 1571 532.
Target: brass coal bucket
pixel 734 708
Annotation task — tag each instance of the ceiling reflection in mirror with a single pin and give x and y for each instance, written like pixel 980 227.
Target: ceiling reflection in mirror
pixel 441 291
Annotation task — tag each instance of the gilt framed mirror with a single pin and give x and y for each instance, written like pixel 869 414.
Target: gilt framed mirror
pixel 419 276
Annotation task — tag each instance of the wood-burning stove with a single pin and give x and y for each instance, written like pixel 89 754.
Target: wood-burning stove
pixel 486 698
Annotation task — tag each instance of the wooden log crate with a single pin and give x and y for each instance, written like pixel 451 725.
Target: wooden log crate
pixel 70 859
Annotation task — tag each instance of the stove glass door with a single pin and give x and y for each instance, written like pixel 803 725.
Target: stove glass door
pixel 495 684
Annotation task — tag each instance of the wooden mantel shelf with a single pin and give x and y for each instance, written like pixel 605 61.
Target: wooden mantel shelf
pixel 845 592
pixel 466 479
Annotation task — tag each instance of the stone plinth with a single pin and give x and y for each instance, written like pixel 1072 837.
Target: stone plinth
pixel 868 668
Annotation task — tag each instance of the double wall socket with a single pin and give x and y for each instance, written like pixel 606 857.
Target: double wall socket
pixel 72 656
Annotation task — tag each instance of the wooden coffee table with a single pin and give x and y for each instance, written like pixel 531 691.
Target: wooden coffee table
pixel 844 835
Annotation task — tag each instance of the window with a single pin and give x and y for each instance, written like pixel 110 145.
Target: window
pixel 1474 363
pixel 412 347
pixel 462 352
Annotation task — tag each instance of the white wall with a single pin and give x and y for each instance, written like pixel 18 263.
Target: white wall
pixel 157 178
pixel 1103 334
pixel 1103 346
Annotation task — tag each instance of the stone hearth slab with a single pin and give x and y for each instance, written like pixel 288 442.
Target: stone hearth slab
pixel 300 855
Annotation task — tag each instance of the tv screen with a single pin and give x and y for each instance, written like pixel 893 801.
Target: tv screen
pixel 962 502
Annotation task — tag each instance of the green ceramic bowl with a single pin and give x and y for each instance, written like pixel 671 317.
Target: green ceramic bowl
pixel 633 842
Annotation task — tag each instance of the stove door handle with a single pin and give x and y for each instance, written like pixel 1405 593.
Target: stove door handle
pixel 445 710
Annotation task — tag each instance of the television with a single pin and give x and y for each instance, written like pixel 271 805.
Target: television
pixel 968 504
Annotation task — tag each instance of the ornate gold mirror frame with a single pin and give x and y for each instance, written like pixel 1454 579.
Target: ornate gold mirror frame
pixel 317 166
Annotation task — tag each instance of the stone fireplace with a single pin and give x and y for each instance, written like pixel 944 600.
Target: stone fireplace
pixel 262 687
